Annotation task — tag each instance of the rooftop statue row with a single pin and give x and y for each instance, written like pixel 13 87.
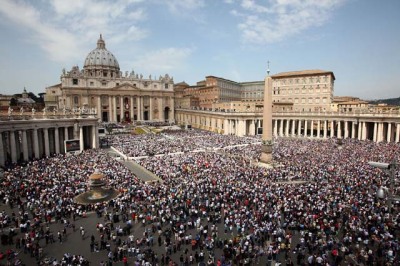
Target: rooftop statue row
pixel 75 72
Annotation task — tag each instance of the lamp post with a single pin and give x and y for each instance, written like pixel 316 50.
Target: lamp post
pixel 391 167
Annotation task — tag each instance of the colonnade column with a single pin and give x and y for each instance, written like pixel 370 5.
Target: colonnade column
pixel 346 129
pixel 389 133
pixel 299 128
pixel 287 128
pixel 226 126
pixel 359 136
pixel 46 141
pixel 2 157
pixel 36 143
pixel 397 132
pixel 353 129
pixel 375 138
pixel 364 130
pixel 25 145
pixel 252 128
pixel 305 128
pixel 95 137
pixel 339 130
pixel 57 140
pixel 293 127
pixel 81 138
pixel 13 146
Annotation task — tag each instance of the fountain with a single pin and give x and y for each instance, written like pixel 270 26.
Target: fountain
pixel 96 193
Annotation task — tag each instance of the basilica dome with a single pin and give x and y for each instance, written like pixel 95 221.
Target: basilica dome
pixel 101 60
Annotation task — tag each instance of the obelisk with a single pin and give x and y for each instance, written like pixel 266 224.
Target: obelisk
pixel 267 144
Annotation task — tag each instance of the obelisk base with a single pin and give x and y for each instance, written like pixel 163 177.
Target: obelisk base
pixel 266 153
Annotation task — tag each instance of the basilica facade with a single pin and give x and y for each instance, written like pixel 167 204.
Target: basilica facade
pixel 102 88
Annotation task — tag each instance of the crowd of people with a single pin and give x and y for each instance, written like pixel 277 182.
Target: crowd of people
pixel 317 206
pixel 174 141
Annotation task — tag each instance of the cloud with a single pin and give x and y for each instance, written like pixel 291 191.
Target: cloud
pixel 167 60
pixel 56 25
pixel 280 19
pixel 180 6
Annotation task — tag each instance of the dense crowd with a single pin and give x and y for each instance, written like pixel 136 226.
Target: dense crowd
pixel 174 141
pixel 213 207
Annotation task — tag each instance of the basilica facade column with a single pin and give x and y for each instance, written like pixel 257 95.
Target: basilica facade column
pixel 318 128
pixel 332 128
pixel 325 129
pixel 99 114
pixel 139 108
pixel 276 128
pixel 131 111
pixel 151 108
pixel 172 118
pixel 160 109
pixel 121 109
pixel 110 108
pixel 114 109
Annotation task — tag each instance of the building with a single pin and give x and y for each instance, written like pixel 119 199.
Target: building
pixel 115 97
pixel 308 90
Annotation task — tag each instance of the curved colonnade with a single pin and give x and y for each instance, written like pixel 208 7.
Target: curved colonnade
pixel 374 126
pixel 23 139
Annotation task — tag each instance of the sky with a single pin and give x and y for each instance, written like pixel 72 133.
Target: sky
pixel 358 40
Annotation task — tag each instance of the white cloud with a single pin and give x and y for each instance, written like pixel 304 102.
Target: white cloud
pixel 166 60
pixel 180 6
pixel 280 19
pixel 58 24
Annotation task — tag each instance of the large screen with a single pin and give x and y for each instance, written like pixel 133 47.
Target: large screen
pixel 72 145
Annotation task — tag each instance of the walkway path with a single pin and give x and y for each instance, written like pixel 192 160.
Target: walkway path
pixel 134 167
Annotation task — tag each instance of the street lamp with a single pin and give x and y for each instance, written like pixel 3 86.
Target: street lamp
pixel 382 191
